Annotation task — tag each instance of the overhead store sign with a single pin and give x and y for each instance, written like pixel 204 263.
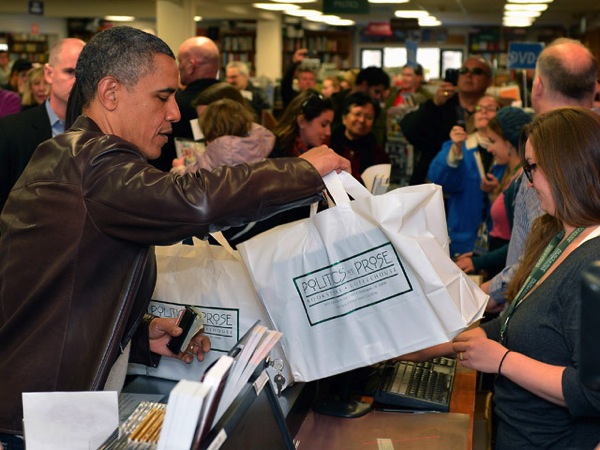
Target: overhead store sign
pixel 345 7
pixel 523 55
pixel 36 8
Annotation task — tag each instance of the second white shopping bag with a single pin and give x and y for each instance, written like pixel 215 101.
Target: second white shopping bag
pixel 364 281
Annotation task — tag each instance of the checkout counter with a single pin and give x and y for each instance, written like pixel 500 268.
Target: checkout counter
pixel 376 430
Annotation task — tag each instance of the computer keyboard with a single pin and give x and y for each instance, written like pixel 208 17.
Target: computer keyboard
pixel 420 386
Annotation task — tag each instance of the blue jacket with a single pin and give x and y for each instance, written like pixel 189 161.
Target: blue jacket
pixel 467 205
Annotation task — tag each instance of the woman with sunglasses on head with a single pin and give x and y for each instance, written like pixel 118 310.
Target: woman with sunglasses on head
pixel 540 400
pixel 460 167
pixel 304 124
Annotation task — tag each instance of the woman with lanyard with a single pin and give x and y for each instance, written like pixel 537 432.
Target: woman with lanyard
pixel 540 401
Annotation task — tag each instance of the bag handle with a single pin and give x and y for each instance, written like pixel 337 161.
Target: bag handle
pixel 341 184
pixel 223 242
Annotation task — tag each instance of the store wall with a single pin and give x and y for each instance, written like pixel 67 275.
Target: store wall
pixel 26 23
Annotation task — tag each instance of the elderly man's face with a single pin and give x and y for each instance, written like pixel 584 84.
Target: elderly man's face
pixel 148 109
pixel 235 78
pixel 306 80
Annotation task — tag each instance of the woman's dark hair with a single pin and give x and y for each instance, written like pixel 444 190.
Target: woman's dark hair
pixel 566 144
pixel 309 104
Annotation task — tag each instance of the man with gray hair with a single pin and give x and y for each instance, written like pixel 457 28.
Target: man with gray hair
pixel 237 74
pixel 565 76
pixel 77 266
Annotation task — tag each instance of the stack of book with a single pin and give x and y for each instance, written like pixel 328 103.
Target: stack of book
pixel 195 406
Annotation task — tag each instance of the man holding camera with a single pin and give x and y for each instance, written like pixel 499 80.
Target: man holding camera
pixel 307 78
pixel 429 126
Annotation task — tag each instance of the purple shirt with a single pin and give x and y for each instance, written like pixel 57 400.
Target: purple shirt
pixel 10 103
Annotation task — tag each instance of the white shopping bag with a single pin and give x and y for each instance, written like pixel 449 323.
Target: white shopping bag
pixel 367 280
pixel 214 279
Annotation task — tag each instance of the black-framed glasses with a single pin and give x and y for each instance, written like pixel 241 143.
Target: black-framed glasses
pixel 474 71
pixel 528 169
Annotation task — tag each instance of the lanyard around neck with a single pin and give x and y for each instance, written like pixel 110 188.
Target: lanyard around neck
pixel 550 254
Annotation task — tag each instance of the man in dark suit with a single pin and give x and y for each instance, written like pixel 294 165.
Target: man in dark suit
pixel 199 64
pixel 21 133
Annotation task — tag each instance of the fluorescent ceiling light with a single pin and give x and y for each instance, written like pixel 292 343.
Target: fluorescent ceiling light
pixel 294 1
pixel 529 1
pixel 275 6
pixel 197 18
pixel 340 22
pixel 389 1
pixel 522 14
pixel 303 12
pixel 525 7
pixel 517 22
pixel 411 14
pixel 430 21
pixel 119 18
pixel 323 18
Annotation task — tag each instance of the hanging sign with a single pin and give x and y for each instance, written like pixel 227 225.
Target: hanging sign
pixel 523 55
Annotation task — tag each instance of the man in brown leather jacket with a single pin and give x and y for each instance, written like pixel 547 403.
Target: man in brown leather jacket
pixel 76 260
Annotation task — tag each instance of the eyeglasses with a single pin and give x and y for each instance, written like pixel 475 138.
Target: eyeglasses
pixel 485 108
pixel 474 71
pixel 528 169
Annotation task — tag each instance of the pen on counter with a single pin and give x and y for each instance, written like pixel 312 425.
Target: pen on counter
pixel 406 411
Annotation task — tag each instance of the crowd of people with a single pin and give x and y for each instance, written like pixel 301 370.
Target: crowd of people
pixel 96 133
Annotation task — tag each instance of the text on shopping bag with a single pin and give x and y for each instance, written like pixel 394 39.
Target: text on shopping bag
pixel 222 325
pixel 354 283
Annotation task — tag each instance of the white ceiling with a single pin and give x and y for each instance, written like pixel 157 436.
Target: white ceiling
pixel 567 13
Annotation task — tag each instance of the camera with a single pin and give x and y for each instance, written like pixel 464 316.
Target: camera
pixel 451 76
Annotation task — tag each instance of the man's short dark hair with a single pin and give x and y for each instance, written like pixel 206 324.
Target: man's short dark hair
pixel 374 76
pixel 123 52
pixel 358 99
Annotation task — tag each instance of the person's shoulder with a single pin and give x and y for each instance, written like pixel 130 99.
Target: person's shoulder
pixel 14 122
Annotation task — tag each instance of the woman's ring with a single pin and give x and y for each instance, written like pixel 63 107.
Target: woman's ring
pixel 445 93
pixel 460 356
pixel 192 348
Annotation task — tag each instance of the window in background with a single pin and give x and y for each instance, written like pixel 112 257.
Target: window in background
pixel 371 57
pixel 429 58
pixel 451 59
pixel 394 57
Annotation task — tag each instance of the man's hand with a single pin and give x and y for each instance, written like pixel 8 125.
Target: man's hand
pixel 326 160
pixel 299 55
pixel 160 332
pixel 444 93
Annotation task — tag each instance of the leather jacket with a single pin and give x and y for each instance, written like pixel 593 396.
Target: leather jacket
pixel 76 262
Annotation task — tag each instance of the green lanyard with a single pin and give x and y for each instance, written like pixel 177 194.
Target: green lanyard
pixel 551 253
